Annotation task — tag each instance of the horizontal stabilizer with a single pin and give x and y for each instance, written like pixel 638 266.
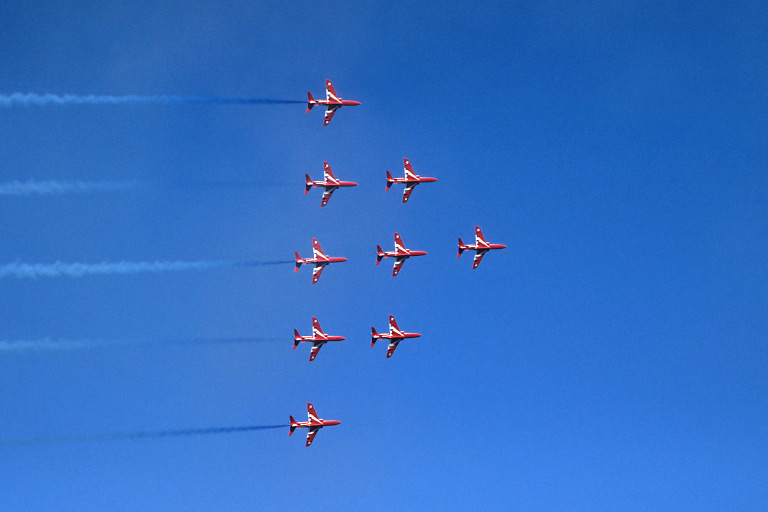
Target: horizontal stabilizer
pixel 299 261
pixel 310 101
pixel 374 336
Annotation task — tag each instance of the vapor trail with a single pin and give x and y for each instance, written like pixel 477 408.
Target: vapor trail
pixel 27 99
pixel 58 269
pixel 148 434
pixel 49 344
pixel 50 188
pixel 41 188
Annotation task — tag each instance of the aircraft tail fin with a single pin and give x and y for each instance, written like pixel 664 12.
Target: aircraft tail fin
pixel 379 254
pixel 390 180
pixel 299 261
pixel 296 338
pixel 293 426
pixel 308 185
pixel 310 101
pixel 461 247
pixel 374 335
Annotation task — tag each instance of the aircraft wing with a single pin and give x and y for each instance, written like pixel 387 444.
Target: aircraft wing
pixel 311 433
pixel 478 257
pixel 330 92
pixel 398 265
pixel 328 173
pixel 409 170
pixel 329 114
pixel 315 349
pixel 392 346
pixel 327 195
pixel 316 273
pixel 407 193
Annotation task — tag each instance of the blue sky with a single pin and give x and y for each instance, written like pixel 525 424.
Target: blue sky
pixel 613 357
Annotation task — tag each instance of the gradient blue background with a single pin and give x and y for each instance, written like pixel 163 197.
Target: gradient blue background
pixel 612 358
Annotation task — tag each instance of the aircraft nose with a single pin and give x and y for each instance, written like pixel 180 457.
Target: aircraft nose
pixel 502 246
pixel 342 259
pixel 354 103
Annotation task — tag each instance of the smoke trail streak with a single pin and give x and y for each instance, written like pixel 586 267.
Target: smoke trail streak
pixel 27 99
pixel 50 188
pixel 58 269
pixel 42 188
pixel 120 436
pixel 49 344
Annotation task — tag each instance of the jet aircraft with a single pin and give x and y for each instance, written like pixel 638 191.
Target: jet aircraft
pixel 318 339
pixel 332 102
pixel 395 336
pixel 481 247
pixel 400 254
pixel 330 184
pixel 320 260
pixel 410 180
pixel 313 423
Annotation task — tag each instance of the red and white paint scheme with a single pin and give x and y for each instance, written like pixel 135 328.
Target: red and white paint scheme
pixel 481 247
pixel 320 260
pixel 411 179
pixel 400 254
pixel 330 183
pixel 395 336
pixel 313 423
pixel 318 339
pixel 332 102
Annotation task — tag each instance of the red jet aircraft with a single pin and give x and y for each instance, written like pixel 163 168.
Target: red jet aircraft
pixel 320 260
pixel 330 184
pixel 332 102
pixel 313 423
pixel 318 339
pixel 411 179
pixel 400 254
pixel 395 336
pixel 481 247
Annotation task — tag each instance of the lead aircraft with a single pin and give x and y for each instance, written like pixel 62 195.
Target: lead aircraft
pixel 318 339
pixel 313 423
pixel 330 184
pixel 400 254
pixel 395 336
pixel 332 102
pixel 320 260
pixel 481 247
pixel 411 179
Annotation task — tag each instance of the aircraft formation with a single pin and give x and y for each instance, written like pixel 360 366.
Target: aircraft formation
pixel 400 254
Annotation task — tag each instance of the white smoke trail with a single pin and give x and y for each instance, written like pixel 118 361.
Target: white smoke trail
pixel 59 269
pixel 51 344
pixel 139 434
pixel 43 188
pixel 34 99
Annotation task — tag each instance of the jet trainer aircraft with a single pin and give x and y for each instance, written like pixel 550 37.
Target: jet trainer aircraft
pixel 332 102
pixel 411 179
pixel 395 336
pixel 400 254
pixel 481 247
pixel 318 339
pixel 313 423
pixel 330 184
pixel 320 260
